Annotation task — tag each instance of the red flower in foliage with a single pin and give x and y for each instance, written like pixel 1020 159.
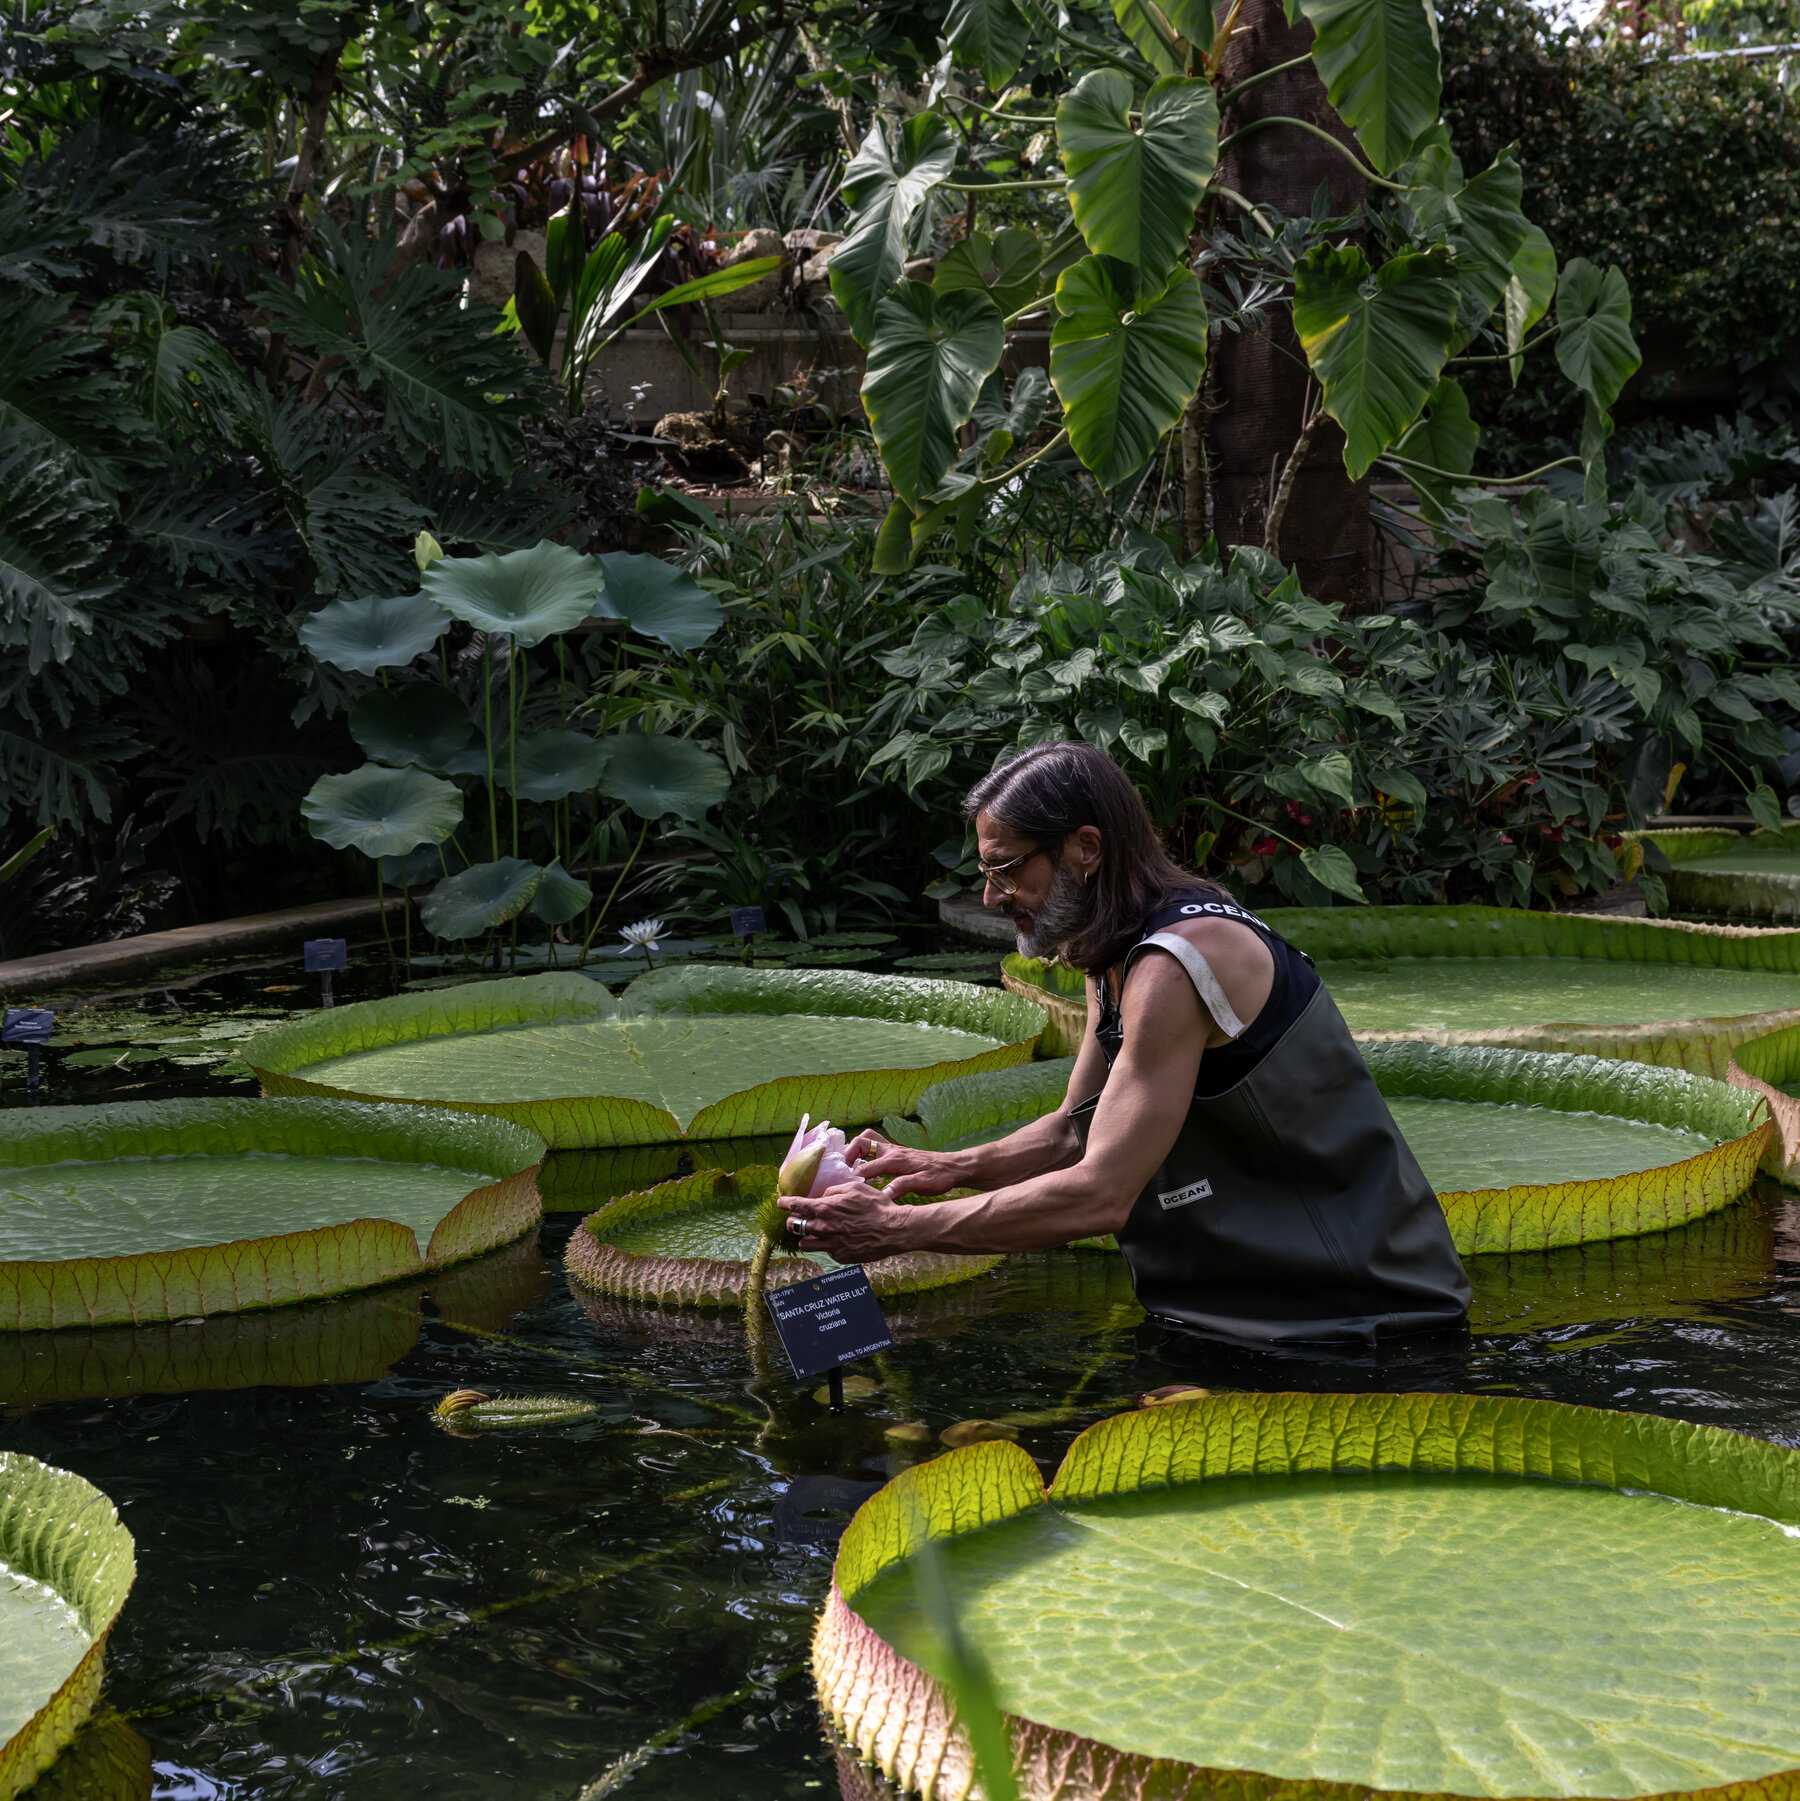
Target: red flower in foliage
pixel 1551 836
pixel 1263 847
pixel 1506 838
pixel 1297 814
pixel 1612 840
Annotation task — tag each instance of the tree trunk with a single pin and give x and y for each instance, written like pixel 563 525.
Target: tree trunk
pixel 312 141
pixel 1262 380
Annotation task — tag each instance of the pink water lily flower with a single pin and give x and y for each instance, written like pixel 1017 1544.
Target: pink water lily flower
pixel 815 1161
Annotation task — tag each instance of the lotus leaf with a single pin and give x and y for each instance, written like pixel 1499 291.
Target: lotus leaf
pixel 690 1241
pixel 658 600
pixel 474 901
pixel 382 812
pixel 368 636
pixel 560 896
pixel 655 775
pixel 665 1060
pixel 551 765
pixel 1379 1595
pixel 422 723
pixel 66 1566
pixel 527 595
pixel 163 1210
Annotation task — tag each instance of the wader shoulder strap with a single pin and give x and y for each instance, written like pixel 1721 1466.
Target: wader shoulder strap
pixel 1200 973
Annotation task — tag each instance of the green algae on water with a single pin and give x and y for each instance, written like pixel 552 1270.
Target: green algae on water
pixel 1482 1144
pixel 1469 1634
pixel 126 1206
pixel 41 1640
pixel 1465 994
pixel 682 1062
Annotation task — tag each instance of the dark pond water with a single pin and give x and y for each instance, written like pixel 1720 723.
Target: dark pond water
pixel 338 1598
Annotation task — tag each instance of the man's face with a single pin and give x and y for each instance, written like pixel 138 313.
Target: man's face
pixel 1049 900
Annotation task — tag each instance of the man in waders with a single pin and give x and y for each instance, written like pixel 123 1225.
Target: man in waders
pixel 1220 1120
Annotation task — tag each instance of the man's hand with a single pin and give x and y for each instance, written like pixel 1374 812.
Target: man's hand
pixel 852 1222
pixel 912 1172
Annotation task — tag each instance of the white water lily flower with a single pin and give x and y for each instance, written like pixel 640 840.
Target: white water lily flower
pixel 643 935
pixel 815 1161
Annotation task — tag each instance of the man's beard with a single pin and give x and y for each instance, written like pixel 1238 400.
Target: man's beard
pixel 1055 920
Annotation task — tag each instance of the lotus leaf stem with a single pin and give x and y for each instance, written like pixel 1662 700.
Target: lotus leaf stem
pixel 605 905
pixel 487 702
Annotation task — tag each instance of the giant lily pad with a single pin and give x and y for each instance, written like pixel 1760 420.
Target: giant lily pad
pixel 658 600
pixel 528 595
pixel 690 1241
pixel 66 1566
pixel 368 636
pixel 1754 877
pixel 1366 1595
pixel 382 812
pixel 1526 1150
pixel 666 1060
pixel 167 1209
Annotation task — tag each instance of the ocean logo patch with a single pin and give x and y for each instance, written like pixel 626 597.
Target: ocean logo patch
pixel 1180 1197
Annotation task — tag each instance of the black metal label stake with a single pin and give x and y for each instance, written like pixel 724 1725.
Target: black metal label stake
pixel 29 1026
pixel 323 955
pixel 828 1322
pixel 746 922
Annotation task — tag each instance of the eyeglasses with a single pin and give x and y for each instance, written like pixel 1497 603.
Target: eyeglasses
pixel 996 872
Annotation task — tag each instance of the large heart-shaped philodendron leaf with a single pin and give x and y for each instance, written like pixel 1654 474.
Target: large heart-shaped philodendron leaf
pixel 656 775
pixel 1489 232
pixel 927 360
pixel 1594 345
pixel 527 595
pixel 1445 439
pixel 1134 191
pixel 421 723
pixel 702 1052
pixel 1528 293
pixel 72 1564
pixel 1004 267
pixel 1366 1579
pixel 1375 343
pixel 884 186
pixel 475 900
pixel 1380 62
pixel 198 1207
pixel 1124 367
pixel 560 896
pixel 382 812
pixel 658 600
pixel 988 35
pixel 550 765
pixel 368 636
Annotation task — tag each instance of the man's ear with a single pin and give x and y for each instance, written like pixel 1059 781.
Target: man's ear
pixel 1084 841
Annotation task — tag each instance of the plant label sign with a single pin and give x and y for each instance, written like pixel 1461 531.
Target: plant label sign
pixel 830 1321
pixel 324 954
pixel 746 921
pixel 27 1025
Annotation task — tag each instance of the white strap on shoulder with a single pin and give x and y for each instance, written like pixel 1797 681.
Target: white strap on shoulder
pixel 1200 972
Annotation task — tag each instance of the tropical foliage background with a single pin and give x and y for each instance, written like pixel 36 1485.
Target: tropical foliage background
pixel 1376 431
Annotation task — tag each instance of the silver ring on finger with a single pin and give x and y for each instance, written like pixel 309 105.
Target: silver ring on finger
pixel 800 1226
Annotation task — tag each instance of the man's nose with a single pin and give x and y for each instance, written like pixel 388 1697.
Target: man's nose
pixel 992 894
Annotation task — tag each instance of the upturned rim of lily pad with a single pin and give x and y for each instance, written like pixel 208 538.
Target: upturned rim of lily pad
pixel 899 1718
pixel 595 1262
pixel 59 1529
pixel 281 1056
pixel 251 1272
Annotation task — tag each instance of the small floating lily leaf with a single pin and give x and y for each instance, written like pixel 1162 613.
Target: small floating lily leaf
pixel 658 599
pixel 66 1566
pixel 655 775
pixel 550 765
pixel 468 1411
pixel 976 1432
pixel 382 812
pixel 856 1388
pixel 529 595
pixel 421 723
pixel 368 636
pixel 560 896
pixel 476 900
pixel 1394 1593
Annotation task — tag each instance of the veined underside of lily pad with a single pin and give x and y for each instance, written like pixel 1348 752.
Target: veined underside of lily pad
pixel 689 1243
pixel 1754 877
pixel 1703 1140
pixel 1326 1597
pixel 66 1566
pixel 243 1204
pixel 665 1061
